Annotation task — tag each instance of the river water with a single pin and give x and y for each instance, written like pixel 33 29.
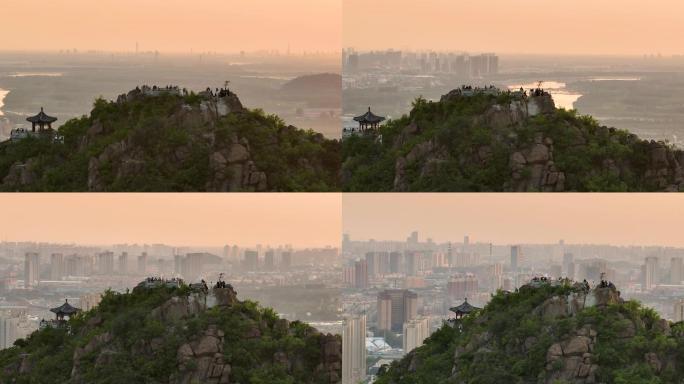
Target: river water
pixel 561 96
pixel 3 93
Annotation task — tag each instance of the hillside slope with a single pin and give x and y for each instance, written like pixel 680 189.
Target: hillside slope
pixel 549 333
pixel 175 335
pixel 502 141
pixel 172 141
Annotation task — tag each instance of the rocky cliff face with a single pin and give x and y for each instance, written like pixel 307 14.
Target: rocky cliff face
pixel 550 333
pixel 506 143
pixel 168 141
pixel 200 337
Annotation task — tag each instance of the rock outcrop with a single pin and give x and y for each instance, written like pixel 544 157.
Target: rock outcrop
pixel 550 332
pixel 493 141
pixel 162 139
pixel 169 333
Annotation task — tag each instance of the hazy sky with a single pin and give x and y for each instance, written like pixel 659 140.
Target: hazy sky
pixel 520 26
pixel 305 219
pixel 171 25
pixel 619 219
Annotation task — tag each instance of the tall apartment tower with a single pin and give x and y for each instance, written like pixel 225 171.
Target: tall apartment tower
pixel 415 333
pixel 679 311
pixel 142 264
pixel 361 274
pixel 269 260
pixel 105 263
pixel 251 262
pixel 285 260
pixel 123 263
pixel 650 273
pixel 515 257
pixel 354 350
pixel 57 266
pixel 31 269
pixel 8 331
pixel 395 307
pixel 676 272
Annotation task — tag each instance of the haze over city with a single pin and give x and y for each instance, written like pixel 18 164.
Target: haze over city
pixel 188 219
pixel 616 219
pixel 612 27
pixel 172 26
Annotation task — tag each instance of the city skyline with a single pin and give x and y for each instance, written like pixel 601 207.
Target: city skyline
pixel 526 26
pixel 173 26
pixel 611 219
pixel 303 220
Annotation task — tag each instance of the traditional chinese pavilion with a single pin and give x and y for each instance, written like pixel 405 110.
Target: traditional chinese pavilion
pixel 463 309
pixel 369 120
pixel 41 120
pixel 63 310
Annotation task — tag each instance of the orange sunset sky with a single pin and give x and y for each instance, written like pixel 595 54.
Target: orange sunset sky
pixel 245 219
pixel 519 26
pixel 508 218
pixel 171 25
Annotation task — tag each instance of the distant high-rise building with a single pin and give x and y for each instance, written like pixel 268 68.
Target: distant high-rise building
pixel 123 263
pixel 395 264
pixel 395 307
pixel 285 260
pixel 57 266
pixel 555 271
pixel 105 263
pixel 269 260
pixel 676 272
pixel 193 266
pixel 372 260
pixel 568 258
pixel 178 265
pixel 413 239
pixel 31 270
pixel 650 273
pixel 354 350
pixel 251 261
pixel 415 332
pixel 360 274
pixel 462 286
pixel 449 255
pixel 383 263
pixel 570 271
pixel 142 264
pixel 515 257
pixel 8 332
pixel 679 311
pixel 411 262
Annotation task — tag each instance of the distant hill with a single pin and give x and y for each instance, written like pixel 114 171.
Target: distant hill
pixel 502 141
pixel 174 335
pixel 170 141
pixel 322 90
pixel 549 333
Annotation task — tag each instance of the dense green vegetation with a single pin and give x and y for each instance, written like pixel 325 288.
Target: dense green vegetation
pixel 459 127
pixel 127 318
pixel 494 344
pixel 170 149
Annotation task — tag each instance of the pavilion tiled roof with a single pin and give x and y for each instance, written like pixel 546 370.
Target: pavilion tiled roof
pixel 65 309
pixel 464 308
pixel 41 117
pixel 369 117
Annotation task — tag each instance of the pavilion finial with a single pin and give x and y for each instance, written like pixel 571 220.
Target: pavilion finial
pixel 368 109
pixel 41 109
